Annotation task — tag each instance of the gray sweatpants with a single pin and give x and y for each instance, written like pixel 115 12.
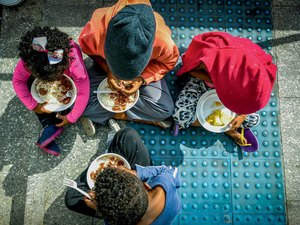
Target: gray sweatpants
pixel 154 104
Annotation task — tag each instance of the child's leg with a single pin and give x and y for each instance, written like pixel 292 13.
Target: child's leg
pixel 186 103
pixel 50 119
pixel 154 104
pixel 47 119
pixel 128 144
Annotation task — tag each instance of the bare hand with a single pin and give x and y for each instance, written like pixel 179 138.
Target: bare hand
pixel 135 84
pixel 64 121
pixel 113 82
pixel 91 202
pixel 237 121
pixel 40 108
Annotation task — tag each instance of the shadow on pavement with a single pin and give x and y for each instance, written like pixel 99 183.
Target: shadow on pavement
pixel 19 129
pixel 52 217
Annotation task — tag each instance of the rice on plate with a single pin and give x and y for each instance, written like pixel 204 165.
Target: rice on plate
pixel 54 93
pixel 115 102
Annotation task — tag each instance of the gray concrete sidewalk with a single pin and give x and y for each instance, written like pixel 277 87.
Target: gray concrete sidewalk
pixel 286 20
pixel 31 182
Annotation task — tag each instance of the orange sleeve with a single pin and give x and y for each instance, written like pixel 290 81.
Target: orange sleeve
pixel 165 53
pixel 92 36
pixel 166 60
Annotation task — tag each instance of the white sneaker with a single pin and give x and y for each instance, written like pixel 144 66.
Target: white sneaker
pixel 87 126
pixel 113 125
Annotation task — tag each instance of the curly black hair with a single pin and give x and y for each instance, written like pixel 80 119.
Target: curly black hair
pixel 121 197
pixel 37 62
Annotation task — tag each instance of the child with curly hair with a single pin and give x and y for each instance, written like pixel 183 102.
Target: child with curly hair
pixel 47 54
pixel 240 71
pixel 142 195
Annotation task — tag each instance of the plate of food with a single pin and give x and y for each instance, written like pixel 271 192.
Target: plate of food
pixel 60 94
pixel 101 162
pixel 116 102
pixel 212 114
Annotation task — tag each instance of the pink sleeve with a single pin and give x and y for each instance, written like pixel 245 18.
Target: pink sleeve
pixel 80 77
pixel 20 78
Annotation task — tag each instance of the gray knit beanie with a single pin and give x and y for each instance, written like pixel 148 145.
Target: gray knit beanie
pixel 129 41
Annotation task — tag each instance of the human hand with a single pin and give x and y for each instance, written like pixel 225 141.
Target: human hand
pixel 40 108
pixel 64 121
pixel 237 121
pixel 113 82
pixel 91 202
pixel 134 85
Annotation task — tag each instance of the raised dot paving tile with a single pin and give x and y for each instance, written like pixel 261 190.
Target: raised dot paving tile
pixel 221 184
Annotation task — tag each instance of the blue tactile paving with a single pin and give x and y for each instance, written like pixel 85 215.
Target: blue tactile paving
pixel 250 19
pixel 257 186
pixel 267 133
pixel 221 184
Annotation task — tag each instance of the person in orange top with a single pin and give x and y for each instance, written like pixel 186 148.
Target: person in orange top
pixel 130 42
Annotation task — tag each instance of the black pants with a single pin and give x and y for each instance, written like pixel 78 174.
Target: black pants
pixel 49 119
pixel 126 143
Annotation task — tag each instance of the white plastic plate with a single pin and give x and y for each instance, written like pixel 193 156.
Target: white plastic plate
pixel 96 163
pixel 206 105
pixel 103 86
pixel 54 107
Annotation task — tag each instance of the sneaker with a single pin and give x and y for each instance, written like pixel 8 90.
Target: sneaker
pixel 48 134
pixel 113 125
pixel 87 126
pixel 52 148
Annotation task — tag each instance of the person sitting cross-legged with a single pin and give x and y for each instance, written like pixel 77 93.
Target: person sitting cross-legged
pixel 52 57
pixel 144 194
pixel 130 44
pixel 241 73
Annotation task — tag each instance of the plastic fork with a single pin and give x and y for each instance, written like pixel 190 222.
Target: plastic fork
pixel 73 184
pixel 105 92
pixel 67 95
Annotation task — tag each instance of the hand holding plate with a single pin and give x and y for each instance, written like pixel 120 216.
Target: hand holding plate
pixel 237 121
pixel 40 108
pixel 64 121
